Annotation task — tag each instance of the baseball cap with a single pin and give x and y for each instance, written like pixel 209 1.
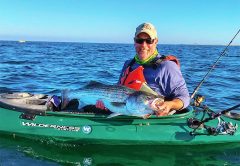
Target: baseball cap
pixel 147 28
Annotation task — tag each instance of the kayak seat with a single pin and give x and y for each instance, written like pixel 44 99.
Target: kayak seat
pixel 36 101
pixel 16 95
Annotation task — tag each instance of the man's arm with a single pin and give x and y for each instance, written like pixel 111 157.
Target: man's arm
pixel 174 85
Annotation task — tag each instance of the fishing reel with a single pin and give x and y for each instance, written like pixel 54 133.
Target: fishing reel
pixel 198 99
pixel 223 127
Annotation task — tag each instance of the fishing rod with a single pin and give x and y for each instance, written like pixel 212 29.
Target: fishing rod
pixel 216 115
pixel 213 66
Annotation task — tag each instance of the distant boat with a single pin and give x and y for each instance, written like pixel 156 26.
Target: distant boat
pixel 21 41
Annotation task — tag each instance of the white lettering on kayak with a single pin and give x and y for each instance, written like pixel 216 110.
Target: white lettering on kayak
pixel 58 127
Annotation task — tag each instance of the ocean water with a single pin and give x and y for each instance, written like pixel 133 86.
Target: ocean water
pixel 49 67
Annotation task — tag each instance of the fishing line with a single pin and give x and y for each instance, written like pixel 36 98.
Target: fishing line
pixel 213 66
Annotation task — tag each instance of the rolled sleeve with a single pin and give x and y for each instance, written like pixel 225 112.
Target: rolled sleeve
pixel 173 83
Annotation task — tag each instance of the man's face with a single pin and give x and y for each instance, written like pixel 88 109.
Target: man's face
pixel 145 50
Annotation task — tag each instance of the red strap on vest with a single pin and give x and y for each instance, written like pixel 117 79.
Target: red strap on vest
pixel 172 58
pixel 133 79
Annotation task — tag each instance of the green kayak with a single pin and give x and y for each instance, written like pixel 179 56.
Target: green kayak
pixel 193 126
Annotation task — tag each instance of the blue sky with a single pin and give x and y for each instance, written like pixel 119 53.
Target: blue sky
pixel 114 21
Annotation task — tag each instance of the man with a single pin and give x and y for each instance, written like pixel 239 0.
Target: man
pixel 160 73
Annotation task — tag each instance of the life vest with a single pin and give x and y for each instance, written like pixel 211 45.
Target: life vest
pixel 134 79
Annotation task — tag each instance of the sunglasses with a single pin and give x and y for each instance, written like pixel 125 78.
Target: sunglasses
pixel 140 41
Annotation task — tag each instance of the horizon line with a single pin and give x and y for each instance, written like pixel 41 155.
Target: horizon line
pixel 26 41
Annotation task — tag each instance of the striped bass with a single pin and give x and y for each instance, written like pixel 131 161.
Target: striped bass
pixel 118 99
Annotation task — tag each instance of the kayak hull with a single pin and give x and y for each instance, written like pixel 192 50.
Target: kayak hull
pixel 79 128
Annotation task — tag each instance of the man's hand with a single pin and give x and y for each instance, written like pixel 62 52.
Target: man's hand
pixel 165 107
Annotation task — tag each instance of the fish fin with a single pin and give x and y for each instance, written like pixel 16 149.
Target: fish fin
pixel 113 115
pixel 93 84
